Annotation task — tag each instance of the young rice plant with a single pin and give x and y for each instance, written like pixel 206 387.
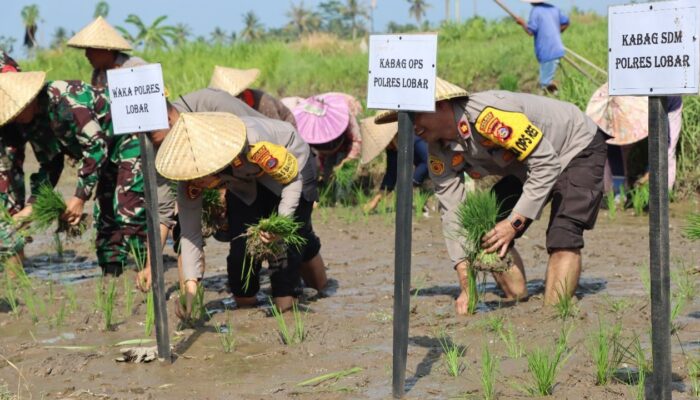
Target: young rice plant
pixel 453 352
pixel 489 368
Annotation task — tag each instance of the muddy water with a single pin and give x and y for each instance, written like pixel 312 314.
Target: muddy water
pixel 350 329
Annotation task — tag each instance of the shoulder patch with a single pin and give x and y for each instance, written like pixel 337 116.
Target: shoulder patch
pixel 457 160
pixel 437 167
pixel 510 130
pixel 464 129
pixel 275 161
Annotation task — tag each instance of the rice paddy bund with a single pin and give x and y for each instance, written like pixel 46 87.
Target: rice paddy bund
pixel 61 326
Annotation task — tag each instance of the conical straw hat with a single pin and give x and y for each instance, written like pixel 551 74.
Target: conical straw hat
pixel 200 144
pixel 99 34
pixel 443 91
pixel 232 80
pixel 322 118
pixel 16 91
pixel 375 137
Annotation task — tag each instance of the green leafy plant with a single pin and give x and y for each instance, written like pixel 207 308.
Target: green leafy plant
pixel 617 305
pixel 284 227
pixel 611 204
pixel 420 199
pixel 199 307
pixel 150 314
pixel 60 316
pixel 640 199
pixel 544 365
pixel 472 291
pixel 11 295
pixel 47 209
pixel 299 329
pixel 605 351
pixel 513 347
pixel 285 335
pixel 494 323
pixel 108 301
pixel 453 353
pixel 213 211
pixel 508 82
pixel 33 303
pixel 694 377
pixel 489 367
pixel 69 292
pixel 226 335
pixel 128 296
pixel 565 306
pixel 138 253
pixel 692 227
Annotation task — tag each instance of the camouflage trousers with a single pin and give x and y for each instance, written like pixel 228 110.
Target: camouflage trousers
pixel 120 213
pixel 12 190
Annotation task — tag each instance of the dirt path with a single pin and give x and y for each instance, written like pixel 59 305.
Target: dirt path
pixel 350 329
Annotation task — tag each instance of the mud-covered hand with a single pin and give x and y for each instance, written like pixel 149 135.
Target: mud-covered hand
pixel 74 210
pixel 268 237
pixel 143 279
pixel 499 238
pixel 23 213
pixel 138 354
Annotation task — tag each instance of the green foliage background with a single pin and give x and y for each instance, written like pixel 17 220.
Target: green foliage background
pixel 477 55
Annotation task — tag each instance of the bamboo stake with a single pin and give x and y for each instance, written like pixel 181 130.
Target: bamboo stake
pixel 581 70
pixel 589 63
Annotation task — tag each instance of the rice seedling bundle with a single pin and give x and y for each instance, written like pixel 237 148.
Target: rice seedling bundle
pixel 213 212
pixel 282 226
pixel 48 208
pixel 476 216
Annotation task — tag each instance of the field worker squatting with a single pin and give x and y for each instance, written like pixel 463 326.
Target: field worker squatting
pixel 546 150
pixel 239 152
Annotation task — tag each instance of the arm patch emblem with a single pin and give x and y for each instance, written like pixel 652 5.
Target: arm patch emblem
pixel 437 167
pixel 510 130
pixel 275 161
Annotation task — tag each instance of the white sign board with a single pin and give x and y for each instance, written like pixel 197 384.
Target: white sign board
pixel 654 48
pixel 402 72
pixel 138 99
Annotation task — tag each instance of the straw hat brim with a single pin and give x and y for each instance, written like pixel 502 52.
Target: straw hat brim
pixel 99 34
pixel 232 80
pixel 444 90
pixel 200 144
pixel 375 138
pixel 17 90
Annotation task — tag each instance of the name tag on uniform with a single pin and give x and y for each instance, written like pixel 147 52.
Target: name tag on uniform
pixel 510 130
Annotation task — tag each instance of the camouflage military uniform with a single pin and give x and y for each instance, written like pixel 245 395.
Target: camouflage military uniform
pixel 11 156
pixel 79 118
pixel 11 175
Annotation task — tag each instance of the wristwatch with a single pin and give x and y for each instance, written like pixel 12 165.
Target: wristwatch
pixel 517 222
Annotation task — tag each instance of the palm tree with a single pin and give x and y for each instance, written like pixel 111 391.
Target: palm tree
pixel 447 10
pixel 219 36
pixel 30 17
pixel 182 32
pixel 60 36
pixel 355 10
pixel 151 37
pixel 253 29
pixel 417 9
pixel 101 9
pixel 300 17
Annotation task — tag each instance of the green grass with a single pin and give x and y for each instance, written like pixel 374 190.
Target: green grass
pixel 294 337
pixel 150 322
pixel 603 346
pixel 684 280
pixel 128 295
pixel 513 347
pixel 286 337
pixel 226 335
pixel 618 305
pixel 544 365
pixel 694 376
pixel 692 227
pixel 285 227
pixel 489 368
pixel 60 315
pixel 108 302
pixel 47 208
pixel 640 199
pixel 11 295
pixel 342 65
pixel 452 353
pixel 565 307
pixel 199 306
pixel 71 296
pixel 611 204
pixel 420 199
pixel 494 323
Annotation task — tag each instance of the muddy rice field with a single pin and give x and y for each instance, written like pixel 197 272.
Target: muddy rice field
pixel 61 350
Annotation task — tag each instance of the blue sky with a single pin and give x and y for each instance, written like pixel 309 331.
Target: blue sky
pixel 204 15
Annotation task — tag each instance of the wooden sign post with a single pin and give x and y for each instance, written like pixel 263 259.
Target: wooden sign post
pixel 402 77
pixel 138 105
pixel 654 52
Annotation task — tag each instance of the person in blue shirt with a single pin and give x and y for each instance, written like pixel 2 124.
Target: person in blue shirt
pixel 546 23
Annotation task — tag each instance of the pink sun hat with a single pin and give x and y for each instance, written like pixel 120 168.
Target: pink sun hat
pixel 322 118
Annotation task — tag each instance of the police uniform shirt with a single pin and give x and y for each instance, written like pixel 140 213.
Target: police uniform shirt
pixel 502 133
